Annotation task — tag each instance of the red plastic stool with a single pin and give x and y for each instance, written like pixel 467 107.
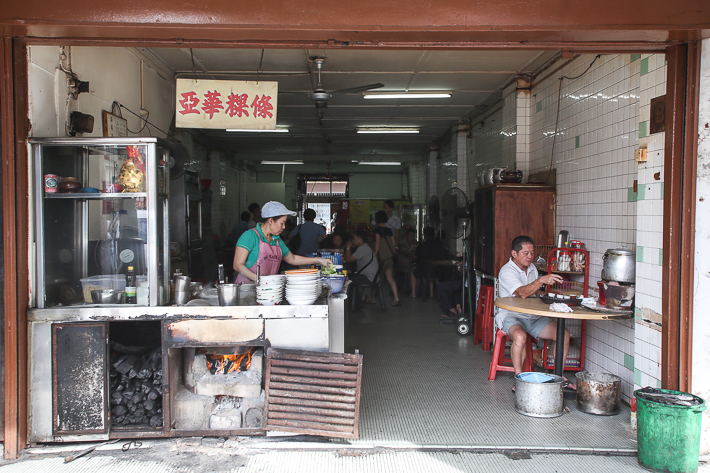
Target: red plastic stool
pixel 497 363
pixel 483 326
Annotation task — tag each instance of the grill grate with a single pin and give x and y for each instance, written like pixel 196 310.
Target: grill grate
pixel 316 393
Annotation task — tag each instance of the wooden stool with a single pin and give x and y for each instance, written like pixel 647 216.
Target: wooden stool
pixel 497 363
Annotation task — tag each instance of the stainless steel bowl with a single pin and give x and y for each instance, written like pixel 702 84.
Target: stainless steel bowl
pixel 107 296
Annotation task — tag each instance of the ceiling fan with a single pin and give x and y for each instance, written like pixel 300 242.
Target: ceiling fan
pixel 320 96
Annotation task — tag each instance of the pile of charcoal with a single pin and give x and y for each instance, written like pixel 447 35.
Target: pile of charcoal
pixel 136 386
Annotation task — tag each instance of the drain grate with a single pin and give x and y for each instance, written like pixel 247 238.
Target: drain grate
pixel 314 393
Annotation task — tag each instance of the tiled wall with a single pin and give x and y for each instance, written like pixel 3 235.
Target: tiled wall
pixel 649 223
pixel 493 137
pixel 597 134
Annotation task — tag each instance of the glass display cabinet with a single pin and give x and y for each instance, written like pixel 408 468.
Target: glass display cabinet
pixel 101 205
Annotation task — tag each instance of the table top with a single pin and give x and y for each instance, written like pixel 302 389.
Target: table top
pixel 534 306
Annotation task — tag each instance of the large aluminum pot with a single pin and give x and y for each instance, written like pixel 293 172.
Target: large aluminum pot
pixel 481 178
pixel 539 399
pixel 619 265
pixel 598 393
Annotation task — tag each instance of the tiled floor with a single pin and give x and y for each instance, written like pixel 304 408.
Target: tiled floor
pixel 423 384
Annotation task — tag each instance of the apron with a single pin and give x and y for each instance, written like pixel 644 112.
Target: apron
pixel 269 259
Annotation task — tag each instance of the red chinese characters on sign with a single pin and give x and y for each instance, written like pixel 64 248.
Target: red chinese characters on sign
pixel 236 104
pixel 189 103
pixel 212 103
pixel 262 106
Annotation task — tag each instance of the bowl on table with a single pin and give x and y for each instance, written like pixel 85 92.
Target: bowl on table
pixel 107 296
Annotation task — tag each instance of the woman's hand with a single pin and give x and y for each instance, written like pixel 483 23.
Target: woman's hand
pixel 322 261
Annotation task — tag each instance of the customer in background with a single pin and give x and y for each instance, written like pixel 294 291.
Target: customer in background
pixel 255 210
pixel 519 278
pixel 450 294
pixel 366 263
pixel 310 233
pixel 405 259
pixel 239 228
pixel 333 241
pixel 385 249
pixel 429 250
pixel 393 223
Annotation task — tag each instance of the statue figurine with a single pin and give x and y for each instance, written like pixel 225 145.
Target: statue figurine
pixel 132 173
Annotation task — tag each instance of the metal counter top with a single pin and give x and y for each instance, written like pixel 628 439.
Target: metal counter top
pixel 94 312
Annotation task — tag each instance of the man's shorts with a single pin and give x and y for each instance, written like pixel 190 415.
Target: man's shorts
pixel 533 326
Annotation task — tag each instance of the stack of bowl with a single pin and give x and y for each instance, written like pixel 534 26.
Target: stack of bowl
pixel 270 290
pixel 303 286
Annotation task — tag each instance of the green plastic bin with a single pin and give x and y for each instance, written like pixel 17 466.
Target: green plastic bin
pixel 668 435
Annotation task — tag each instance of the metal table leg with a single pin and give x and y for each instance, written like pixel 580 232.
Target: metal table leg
pixel 560 347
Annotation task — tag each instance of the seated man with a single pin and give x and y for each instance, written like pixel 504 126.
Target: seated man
pixel 366 260
pixel 519 278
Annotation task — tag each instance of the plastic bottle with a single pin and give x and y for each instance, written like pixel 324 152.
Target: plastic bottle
pixel 131 286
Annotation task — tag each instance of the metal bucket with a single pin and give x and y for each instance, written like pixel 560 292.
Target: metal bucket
pixel 598 393
pixel 247 294
pixel 228 294
pixel 539 399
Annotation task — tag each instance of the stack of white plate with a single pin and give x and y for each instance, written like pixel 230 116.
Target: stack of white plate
pixel 302 286
pixel 270 290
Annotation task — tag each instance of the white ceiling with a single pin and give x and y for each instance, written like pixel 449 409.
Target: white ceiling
pixel 329 134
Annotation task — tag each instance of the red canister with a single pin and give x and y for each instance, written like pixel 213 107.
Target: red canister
pixel 51 183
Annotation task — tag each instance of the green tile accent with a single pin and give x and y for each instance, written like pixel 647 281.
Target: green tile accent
pixel 643 126
pixel 628 361
pixel 658 384
pixel 576 141
pixel 639 254
pixel 637 377
pixel 644 66
pixel 660 257
pixel 638 313
pixel 662 188
pixel 641 193
pixel 538 106
pixel 635 57
pixel 632 195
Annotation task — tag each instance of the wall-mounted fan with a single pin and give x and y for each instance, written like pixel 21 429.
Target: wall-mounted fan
pixel 320 96
pixel 454 213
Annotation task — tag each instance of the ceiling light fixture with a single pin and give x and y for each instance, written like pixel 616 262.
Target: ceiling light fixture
pixel 282 162
pixel 386 129
pixel 278 129
pixel 407 95
pixel 380 163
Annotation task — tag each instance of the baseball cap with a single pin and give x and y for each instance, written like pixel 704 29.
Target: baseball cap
pixel 275 209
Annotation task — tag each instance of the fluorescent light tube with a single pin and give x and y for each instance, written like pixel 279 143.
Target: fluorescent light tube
pixel 407 95
pixel 386 129
pixel 282 162
pixel 246 130
pixel 380 163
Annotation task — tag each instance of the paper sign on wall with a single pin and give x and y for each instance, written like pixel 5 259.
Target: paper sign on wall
pixel 226 104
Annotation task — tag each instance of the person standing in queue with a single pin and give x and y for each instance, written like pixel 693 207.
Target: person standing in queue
pixel 386 249
pixel 262 246
pixel 256 214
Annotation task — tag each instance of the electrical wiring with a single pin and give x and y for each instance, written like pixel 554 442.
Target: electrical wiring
pixel 145 120
pixel 557 116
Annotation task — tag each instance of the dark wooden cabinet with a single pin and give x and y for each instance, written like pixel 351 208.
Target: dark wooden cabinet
pixel 504 211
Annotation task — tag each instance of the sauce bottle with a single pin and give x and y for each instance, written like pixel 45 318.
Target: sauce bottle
pixel 131 286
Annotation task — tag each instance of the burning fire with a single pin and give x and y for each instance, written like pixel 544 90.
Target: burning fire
pixel 224 364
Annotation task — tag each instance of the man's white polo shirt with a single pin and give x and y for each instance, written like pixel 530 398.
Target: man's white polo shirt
pixel 510 278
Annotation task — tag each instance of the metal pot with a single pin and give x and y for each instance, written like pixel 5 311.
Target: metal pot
pixel 619 265
pixel 539 399
pixel 496 175
pixel 481 178
pixel 598 393
pixel 489 176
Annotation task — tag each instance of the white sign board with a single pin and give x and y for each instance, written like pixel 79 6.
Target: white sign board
pixel 226 104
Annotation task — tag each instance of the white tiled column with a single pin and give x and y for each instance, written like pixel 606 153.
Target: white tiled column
pixel 522 126
pixel 433 153
pixel 462 177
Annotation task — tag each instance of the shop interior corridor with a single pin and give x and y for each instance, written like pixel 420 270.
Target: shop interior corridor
pixel 424 385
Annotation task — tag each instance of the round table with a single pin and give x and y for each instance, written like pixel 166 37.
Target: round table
pixel 534 306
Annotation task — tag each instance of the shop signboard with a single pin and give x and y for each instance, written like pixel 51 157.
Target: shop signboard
pixel 226 104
